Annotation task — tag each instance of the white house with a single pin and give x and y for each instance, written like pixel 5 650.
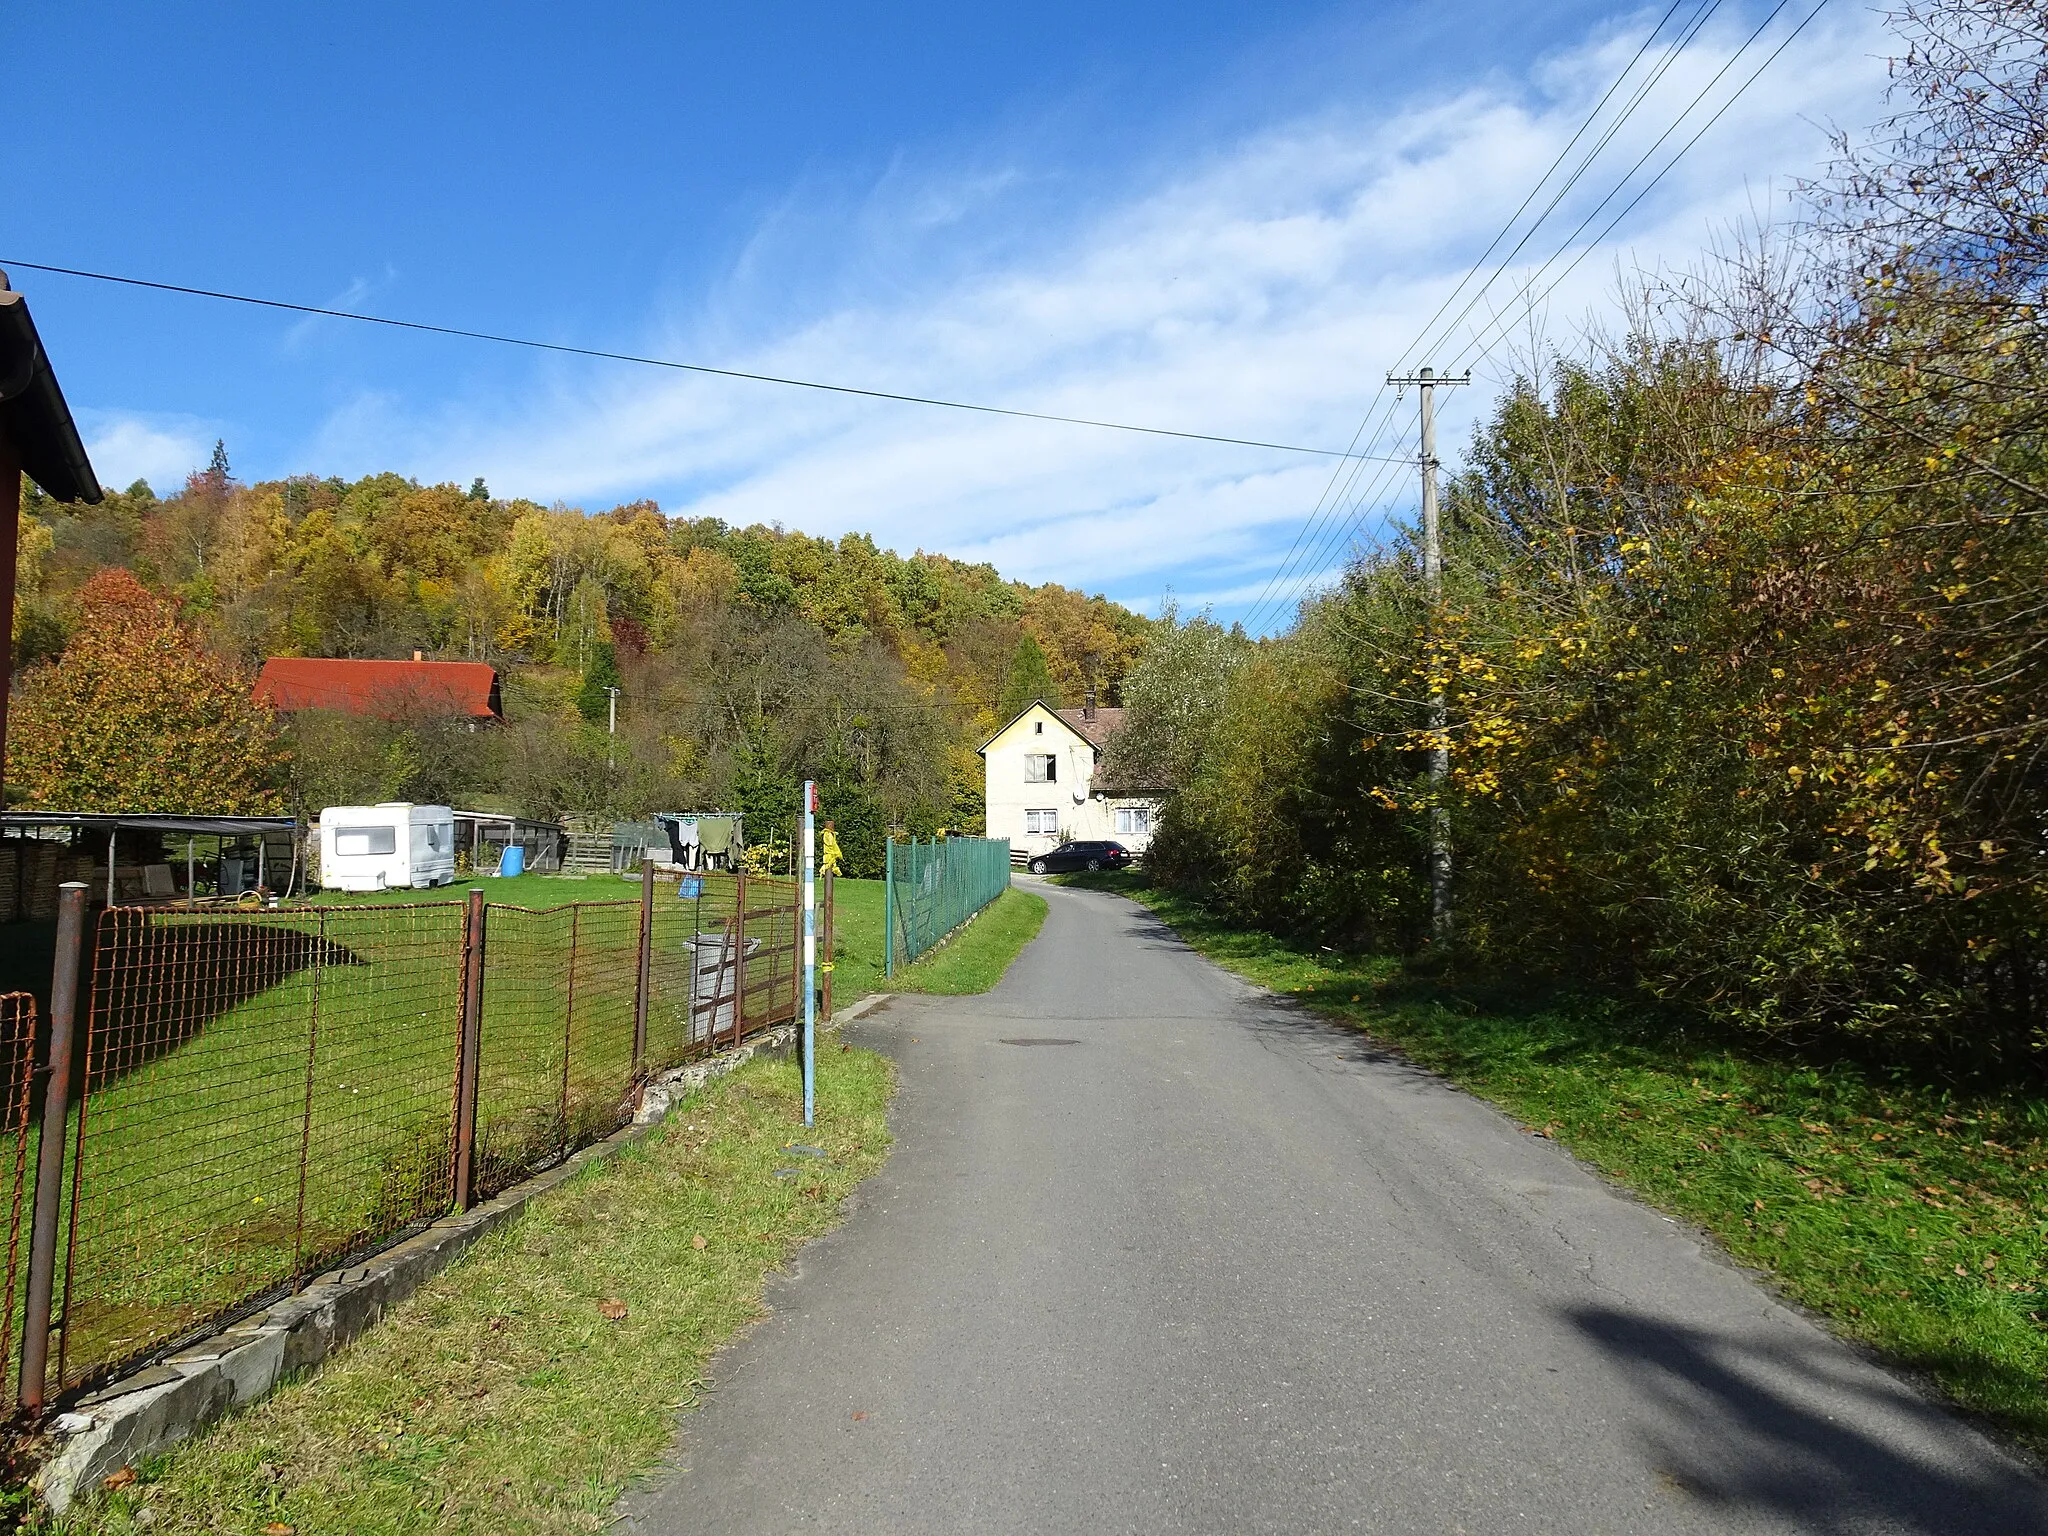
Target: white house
pixel 1039 776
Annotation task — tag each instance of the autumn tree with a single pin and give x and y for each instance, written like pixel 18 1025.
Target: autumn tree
pixel 138 716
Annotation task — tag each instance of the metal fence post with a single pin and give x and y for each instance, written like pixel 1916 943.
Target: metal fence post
pixel 42 1252
pixel 469 1048
pixel 569 1011
pixel 889 909
pixel 646 968
pixel 830 948
pixel 739 960
pixel 807 972
pixel 796 942
pixel 306 1107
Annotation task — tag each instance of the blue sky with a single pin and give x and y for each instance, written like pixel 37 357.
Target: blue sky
pixel 1221 218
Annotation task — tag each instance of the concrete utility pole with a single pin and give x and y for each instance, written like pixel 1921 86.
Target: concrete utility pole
pixel 611 725
pixel 1426 383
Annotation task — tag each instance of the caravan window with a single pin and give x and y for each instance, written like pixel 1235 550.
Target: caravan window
pixel 354 841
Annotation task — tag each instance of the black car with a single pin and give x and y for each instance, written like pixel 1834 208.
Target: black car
pixel 1069 856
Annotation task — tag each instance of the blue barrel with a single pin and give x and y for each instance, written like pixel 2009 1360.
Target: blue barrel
pixel 513 861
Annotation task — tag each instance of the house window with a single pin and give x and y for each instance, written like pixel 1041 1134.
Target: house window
pixel 1042 823
pixel 1041 768
pixel 1134 820
pixel 1038 727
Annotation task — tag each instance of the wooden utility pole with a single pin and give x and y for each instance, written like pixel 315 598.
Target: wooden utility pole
pixel 1426 382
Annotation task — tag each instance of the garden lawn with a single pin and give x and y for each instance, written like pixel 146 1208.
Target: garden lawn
pixel 520 1390
pixel 536 891
pixel 1913 1218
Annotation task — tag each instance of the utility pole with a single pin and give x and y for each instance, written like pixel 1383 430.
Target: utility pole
pixel 809 835
pixel 1426 382
pixel 611 725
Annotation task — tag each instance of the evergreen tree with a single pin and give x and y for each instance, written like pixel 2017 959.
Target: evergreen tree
pixel 859 820
pixel 217 472
pixel 478 491
pixel 599 679
pixel 1030 678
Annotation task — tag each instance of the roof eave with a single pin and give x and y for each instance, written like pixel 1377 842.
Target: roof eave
pixel 33 412
pixel 982 750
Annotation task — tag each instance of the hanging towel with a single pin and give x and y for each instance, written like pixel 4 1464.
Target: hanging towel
pixel 714 835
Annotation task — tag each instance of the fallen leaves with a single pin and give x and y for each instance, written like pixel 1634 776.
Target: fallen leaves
pixel 118 1480
pixel 699 1243
pixel 612 1310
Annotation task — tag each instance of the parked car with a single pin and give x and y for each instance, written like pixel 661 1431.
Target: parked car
pixel 1070 856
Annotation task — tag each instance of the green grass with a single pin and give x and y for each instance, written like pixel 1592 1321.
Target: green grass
pixel 1913 1218
pixel 973 960
pixel 293 1099
pixel 290 1095
pixel 537 891
pixel 499 1398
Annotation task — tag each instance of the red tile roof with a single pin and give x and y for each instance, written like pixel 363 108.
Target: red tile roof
pixel 383 688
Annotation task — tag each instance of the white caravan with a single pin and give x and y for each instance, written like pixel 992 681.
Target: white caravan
pixel 386 847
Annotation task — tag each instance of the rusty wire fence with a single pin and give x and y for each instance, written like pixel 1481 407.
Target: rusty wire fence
pixel 266 1095
pixel 17 1075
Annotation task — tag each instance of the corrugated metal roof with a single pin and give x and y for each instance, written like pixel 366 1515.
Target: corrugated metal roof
pixel 388 689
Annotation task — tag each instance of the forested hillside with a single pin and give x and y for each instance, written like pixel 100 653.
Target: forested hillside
pixel 746 658
pixel 1741 636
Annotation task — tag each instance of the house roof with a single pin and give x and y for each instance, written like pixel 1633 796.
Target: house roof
pixel 382 688
pixel 1094 727
pixel 1060 715
pixel 32 409
pixel 149 821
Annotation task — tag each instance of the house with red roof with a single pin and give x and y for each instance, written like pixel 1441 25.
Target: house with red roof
pixel 388 690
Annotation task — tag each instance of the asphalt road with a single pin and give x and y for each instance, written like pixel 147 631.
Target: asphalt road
pixel 1210 1266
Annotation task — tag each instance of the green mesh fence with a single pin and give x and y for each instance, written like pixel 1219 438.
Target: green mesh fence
pixel 934 887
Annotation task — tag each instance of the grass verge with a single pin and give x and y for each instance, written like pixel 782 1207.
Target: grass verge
pixel 973 960
pixel 1913 1217
pixel 505 1396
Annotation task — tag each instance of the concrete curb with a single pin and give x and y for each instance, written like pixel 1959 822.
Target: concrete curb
pixel 156 1407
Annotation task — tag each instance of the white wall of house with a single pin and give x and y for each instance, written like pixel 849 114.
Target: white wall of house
pixel 1037 807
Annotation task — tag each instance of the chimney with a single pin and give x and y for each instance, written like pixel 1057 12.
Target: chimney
pixel 416 656
pixel 1088 706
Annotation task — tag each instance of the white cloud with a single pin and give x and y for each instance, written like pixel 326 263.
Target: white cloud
pixel 125 447
pixel 1263 292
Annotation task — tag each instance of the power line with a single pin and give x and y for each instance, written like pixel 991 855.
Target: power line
pixel 1651 183
pixel 1469 356
pixel 670 363
pixel 1648 186
pixel 1339 529
pixel 1317 544
pixel 1672 53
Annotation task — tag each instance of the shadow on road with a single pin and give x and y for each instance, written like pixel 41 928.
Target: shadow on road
pixel 1735 1436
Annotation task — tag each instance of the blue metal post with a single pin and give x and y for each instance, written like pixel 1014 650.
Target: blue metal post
pixel 810 951
pixel 889 910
